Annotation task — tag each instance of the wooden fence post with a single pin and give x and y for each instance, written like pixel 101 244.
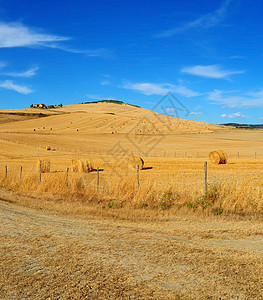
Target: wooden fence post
pixel 98 179
pixel 20 177
pixel 40 174
pixel 5 172
pixel 67 177
pixel 137 176
pixel 238 155
pixel 255 155
pixel 205 177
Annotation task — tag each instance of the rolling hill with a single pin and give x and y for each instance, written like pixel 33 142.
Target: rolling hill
pixel 102 127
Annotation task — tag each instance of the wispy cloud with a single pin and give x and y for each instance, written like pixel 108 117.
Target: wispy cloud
pixel 195 113
pixel 18 35
pixel 29 73
pixel 204 22
pixel 210 71
pixel 236 57
pixel 99 97
pixel 147 88
pixel 8 84
pixel 184 91
pixel 234 115
pixel 89 52
pixel 105 82
pixel 236 98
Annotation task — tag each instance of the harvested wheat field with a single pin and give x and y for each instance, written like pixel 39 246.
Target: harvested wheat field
pixel 89 225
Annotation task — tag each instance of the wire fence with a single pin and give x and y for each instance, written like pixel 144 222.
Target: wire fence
pixel 185 175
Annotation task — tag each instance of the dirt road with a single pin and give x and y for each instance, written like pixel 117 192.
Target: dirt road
pixel 49 256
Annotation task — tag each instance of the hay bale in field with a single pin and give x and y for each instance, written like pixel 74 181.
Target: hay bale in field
pixel 74 165
pixel 133 160
pixel 44 165
pixel 48 148
pixel 82 166
pixel 218 157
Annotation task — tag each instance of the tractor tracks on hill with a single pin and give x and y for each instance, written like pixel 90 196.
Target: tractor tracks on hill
pixel 49 256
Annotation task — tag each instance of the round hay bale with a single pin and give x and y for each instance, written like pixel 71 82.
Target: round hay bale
pixel 48 148
pixel 43 165
pixel 82 166
pixel 132 161
pixel 218 157
pixel 74 165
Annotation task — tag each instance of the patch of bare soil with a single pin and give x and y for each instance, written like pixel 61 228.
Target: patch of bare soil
pixel 49 256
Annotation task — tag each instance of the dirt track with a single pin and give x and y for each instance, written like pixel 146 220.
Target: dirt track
pixel 47 256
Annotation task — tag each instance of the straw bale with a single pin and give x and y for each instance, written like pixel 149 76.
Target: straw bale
pixel 133 160
pixel 82 166
pixel 218 157
pixel 44 165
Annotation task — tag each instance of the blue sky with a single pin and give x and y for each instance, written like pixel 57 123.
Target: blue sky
pixel 209 54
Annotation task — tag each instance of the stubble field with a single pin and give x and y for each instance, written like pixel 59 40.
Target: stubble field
pixel 159 234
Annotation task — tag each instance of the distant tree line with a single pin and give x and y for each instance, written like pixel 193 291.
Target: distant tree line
pixel 244 126
pixel 110 101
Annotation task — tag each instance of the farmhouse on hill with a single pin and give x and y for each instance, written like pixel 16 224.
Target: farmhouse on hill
pixel 40 105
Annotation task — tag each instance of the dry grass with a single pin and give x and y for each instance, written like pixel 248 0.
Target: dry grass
pixel 176 180
pixel 43 165
pixel 189 256
pixel 235 188
pixel 46 255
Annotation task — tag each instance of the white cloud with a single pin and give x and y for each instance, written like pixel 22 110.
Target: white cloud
pixel 89 52
pixel 98 97
pixel 210 71
pixel 236 57
pixel 29 73
pixel 204 22
pixel 18 35
pixel 184 91
pixel 169 110
pixel 8 84
pixel 147 88
pixel 237 99
pixel 258 94
pixel 195 113
pixel 106 82
pixel 234 115
pixel 95 97
pixel 226 98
